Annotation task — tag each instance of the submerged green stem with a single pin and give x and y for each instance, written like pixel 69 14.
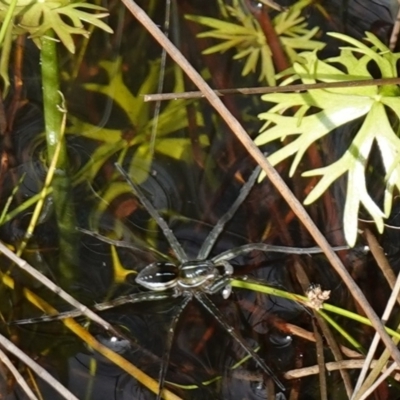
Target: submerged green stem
pixel 56 147
pixel 53 113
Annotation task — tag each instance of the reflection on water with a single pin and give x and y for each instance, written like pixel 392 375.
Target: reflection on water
pixel 193 177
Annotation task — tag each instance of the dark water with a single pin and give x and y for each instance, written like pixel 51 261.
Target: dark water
pixel 193 177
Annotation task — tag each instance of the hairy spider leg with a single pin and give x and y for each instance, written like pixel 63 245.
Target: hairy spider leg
pixel 212 237
pixel 264 247
pixel 172 240
pixel 124 244
pixel 131 298
pixel 213 310
pixel 168 344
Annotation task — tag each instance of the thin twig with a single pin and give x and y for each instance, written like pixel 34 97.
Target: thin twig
pixel 360 389
pixel 307 335
pixel 380 258
pixel 161 78
pixel 270 171
pixel 321 363
pixel 40 371
pixel 336 351
pixel 56 289
pixel 381 379
pixel 331 366
pixel 326 331
pixel 18 377
pixel 273 89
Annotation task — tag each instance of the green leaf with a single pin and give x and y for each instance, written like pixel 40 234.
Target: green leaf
pixel 37 17
pixel 246 36
pixel 172 118
pixel 319 112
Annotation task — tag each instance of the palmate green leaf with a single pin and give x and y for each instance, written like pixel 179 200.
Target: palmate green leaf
pixel 354 162
pixel 223 29
pixel 247 38
pixel 135 108
pixel 309 128
pixel 37 17
pixel 328 109
pixel 172 118
pixel 61 29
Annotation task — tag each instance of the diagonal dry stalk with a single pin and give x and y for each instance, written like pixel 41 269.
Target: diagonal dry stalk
pixel 327 333
pixel 56 289
pixel 40 371
pixel 367 384
pixel 271 173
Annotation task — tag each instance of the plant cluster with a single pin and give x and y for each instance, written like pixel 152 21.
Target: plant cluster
pixel 242 33
pixel 319 112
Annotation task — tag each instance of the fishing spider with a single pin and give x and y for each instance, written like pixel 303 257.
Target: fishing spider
pixel 191 279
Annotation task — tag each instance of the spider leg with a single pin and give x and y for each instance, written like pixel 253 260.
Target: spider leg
pixel 143 248
pixel 222 284
pixel 213 310
pixel 135 298
pixel 168 345
pixel 172 240
pixel 132 298
pixel 215 232
pixel 230 254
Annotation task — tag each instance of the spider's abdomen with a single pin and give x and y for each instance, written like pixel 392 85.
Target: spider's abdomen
pixel 158 276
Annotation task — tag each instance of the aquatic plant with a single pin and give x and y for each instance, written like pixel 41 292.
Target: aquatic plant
pixel 319 112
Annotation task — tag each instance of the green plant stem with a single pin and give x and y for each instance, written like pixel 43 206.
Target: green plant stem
pixel 251 285
pixel 61 185
pixel 342 332
pixel 52 100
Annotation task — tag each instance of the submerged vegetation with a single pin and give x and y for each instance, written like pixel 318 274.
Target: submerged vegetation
pixel 74 76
